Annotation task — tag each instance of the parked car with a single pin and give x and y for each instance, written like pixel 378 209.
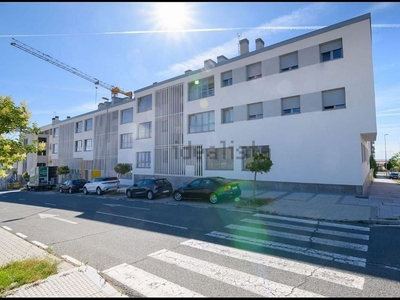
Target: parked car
pixel 150 188
pixel 211 188
pixel 394 175
pixel 72 185
pixel 101 185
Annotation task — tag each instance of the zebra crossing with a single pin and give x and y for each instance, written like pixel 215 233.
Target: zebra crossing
pixel 257 230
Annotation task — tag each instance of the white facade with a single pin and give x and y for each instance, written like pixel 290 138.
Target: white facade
pixel 309 102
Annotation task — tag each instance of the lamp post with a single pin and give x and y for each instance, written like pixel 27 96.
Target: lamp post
pixel 106 135
pixel 385 154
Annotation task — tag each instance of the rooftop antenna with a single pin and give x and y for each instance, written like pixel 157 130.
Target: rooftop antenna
pixel 238 36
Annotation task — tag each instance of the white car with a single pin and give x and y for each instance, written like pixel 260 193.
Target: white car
pixel 101 185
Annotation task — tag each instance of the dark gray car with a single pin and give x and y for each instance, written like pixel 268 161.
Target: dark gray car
pixel 150 188
pixel 72 185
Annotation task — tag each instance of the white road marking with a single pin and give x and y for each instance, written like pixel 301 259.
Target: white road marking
pixel 258 285
pixel 309 229
pixel 120 205
pixel 303 238
pixel 142 220
pixel 288 265
pixel 357 261
pixel 43 246
pixel 45 216
pixel 361 228
pixel 21 235
pixel 147 284
pixel 7 228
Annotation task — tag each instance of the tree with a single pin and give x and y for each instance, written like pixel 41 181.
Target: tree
pixel 63 170
pixel 122 168
pixel 260 163
pixel 394 162
pixel 14 126
pixel 25 176
pixel 373 164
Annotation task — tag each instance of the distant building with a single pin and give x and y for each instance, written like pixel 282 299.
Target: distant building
pixel 307 102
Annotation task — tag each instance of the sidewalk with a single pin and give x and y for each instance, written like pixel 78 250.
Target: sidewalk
pixel 381 205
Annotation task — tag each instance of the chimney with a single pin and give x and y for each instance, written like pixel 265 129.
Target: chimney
pixel 244 46
pixel 259 43
pixel 221 58
pixel 209 64
pixel 188 71
pixel 68 117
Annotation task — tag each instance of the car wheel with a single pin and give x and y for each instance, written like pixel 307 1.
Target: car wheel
pixel 129 193
pixel 85 191
pixel 213 198
pixel 61 190
pixel 150 195
pixel 98 191
pixel 70 190
pixel 177 196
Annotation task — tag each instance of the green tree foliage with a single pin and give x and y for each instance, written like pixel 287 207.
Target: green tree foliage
pixel 122 168
pixel 14 126
pixel 394 162
pixel 260 163
pixel 63 170
pixel 373 164
pixel 25 176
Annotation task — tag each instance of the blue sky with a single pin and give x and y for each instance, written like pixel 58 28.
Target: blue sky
pixel 133 44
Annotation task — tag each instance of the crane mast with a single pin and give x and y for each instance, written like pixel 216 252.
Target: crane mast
pixel 114 89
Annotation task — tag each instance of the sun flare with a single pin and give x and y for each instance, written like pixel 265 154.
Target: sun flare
pixel 172 16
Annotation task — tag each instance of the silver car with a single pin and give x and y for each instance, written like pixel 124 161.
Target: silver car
pixel 101 185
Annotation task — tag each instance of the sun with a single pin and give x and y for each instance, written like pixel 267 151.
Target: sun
pixel 172 16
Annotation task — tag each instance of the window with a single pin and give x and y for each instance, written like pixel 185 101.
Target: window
pixel 291 105
pixel 144 130
pixel 219 158
pixel 78 126
pixel 55 149
pixel 289 62
pixel 126 140
pixel 249 151
pixel 226 78
pixel 254 71
pixel 42 140
pixel 127 116
pixel 88 124
pixel 143 159
pixel 201 122
pixel 227 115
pixel 201 88
pixel 331 50
pixel 144 103
pixel 333 99
pixel 78 146
pixel 55 132
pixel 88 145
pixel 255 111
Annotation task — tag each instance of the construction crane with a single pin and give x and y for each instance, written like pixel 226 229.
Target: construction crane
pixel 114 89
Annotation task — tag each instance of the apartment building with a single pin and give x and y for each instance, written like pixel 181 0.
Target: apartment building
pixel 307 102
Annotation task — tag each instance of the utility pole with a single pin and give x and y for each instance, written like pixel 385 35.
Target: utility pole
pixel 385 154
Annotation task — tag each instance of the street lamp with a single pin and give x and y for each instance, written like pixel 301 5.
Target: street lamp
pixel 385 153
pixel 106 135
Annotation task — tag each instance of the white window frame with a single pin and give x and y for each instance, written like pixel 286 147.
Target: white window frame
pixel 219 158
pixel 143 159
pixel 290 105
pixel 331 50
pixel 144 130
pixel 227 115
pixel 126 140
pixel 89 124
pixel 78 146
pixel 255 111
pixel 144 103
pixel 202 122
pixel 88 145
pixel 334 99
pixel 127 115
pixel 78 127
pixel 55 149
pixel 289 62
pixel 253 71
pixel 55 132
pixel 226 78
pixel 201 88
